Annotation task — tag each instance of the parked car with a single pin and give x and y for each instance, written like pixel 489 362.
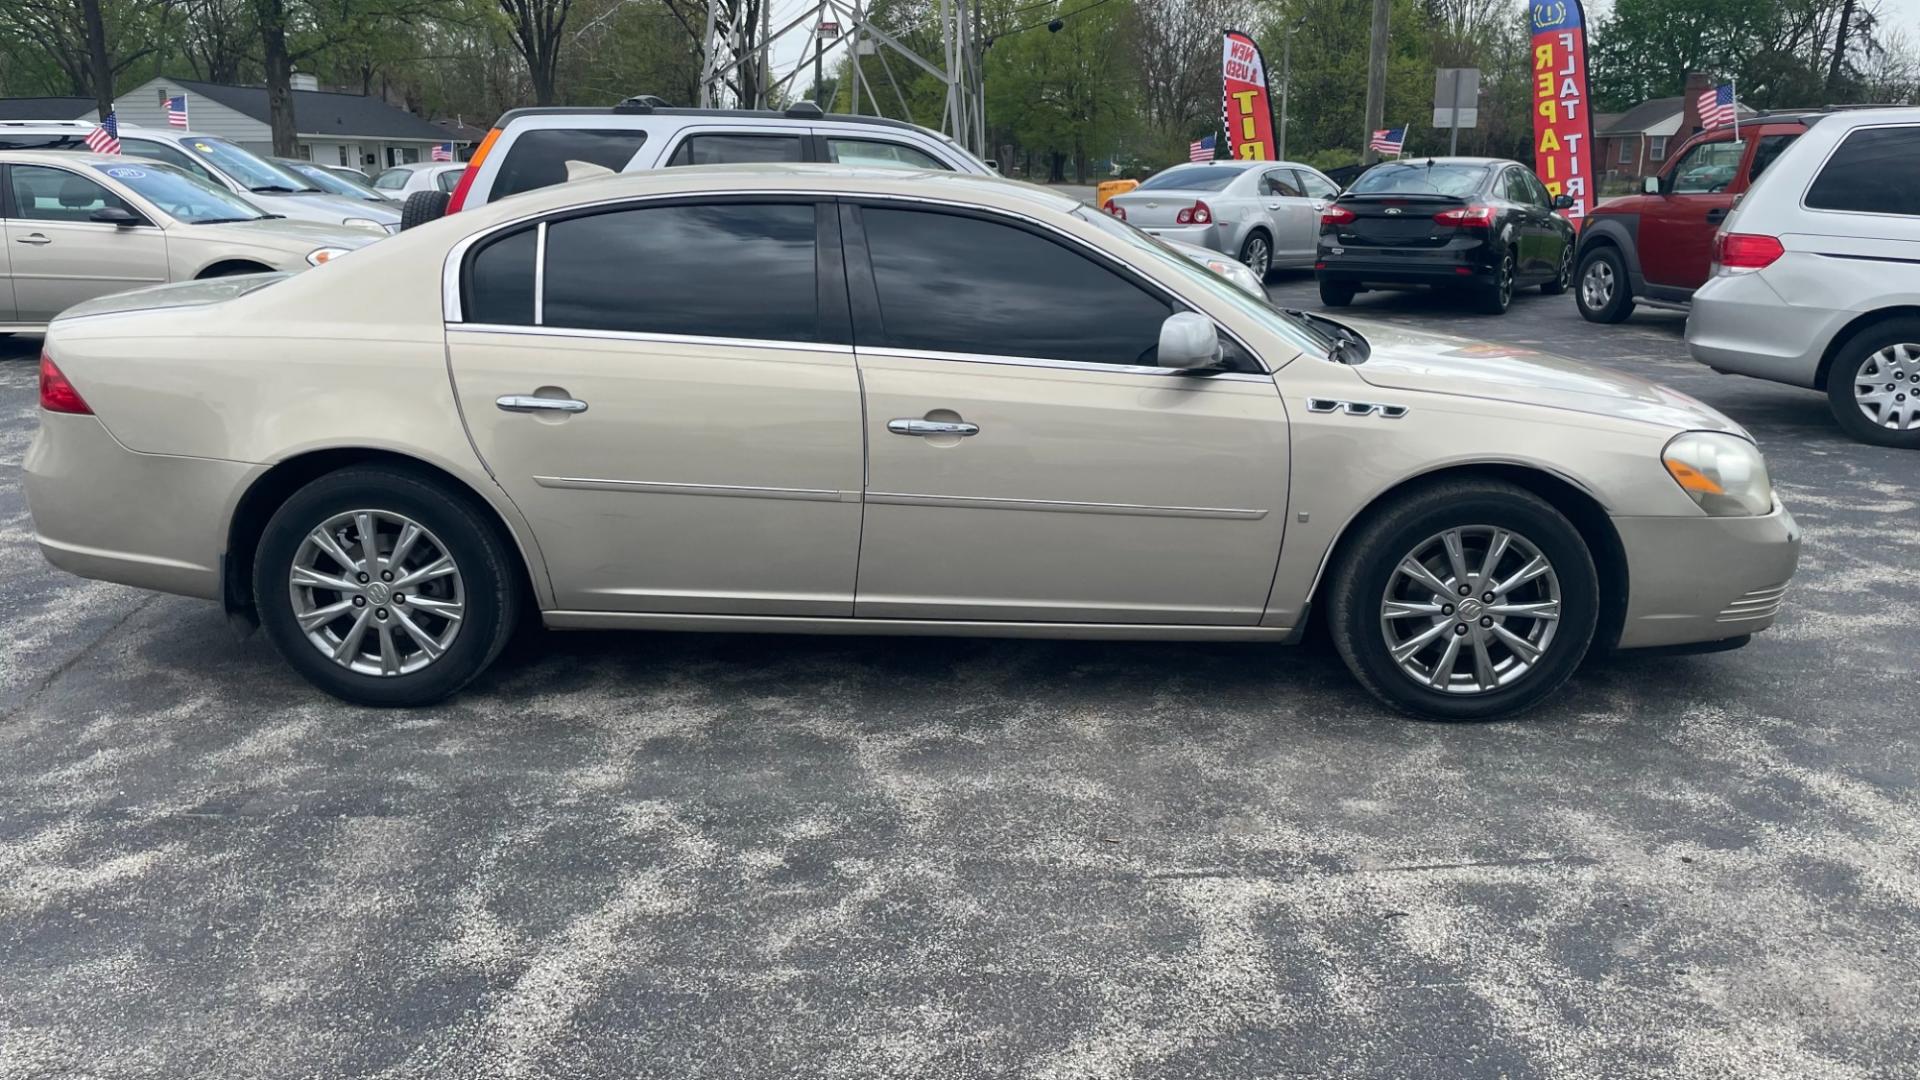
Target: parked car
pixel 1655 248
pixel 1264 213
pixel 333 181
pixel 403 180
pixel 215 160
pixel 1816 275
pixel 83 225
pixel 532 148
pixel 576 411
pixel 1483 224
pixel 350 173
pixel 1224 265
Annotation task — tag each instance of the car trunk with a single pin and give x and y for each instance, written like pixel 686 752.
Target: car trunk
pixel 1157 209
pixel 1399 220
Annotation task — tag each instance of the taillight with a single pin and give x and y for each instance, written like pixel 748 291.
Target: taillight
pixel 459 197
pixel 1337 215
pixel 56 393
pixel 1117 210
pixel 1746 251
pixel 1197 214
pixel 1472 217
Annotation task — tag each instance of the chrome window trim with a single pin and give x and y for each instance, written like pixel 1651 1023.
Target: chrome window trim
pixel 1060 365
pixel 452 310
pixel 540 274
pixel 653 338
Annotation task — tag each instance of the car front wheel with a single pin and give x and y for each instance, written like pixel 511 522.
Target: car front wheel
pixel 1603 296
pixel 383 588
pixel 1469 599
pixel 1497 295
pixel 1336 293
pixel 1257 254
pixel 1563 276
pixel 1874 384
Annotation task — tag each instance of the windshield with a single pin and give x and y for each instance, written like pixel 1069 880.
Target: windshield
pixel 246 168
pixel 392 179
pixel 1420 178
pixel 327 180
pixel 1303 332
pixel 183 196
pixel 1193 178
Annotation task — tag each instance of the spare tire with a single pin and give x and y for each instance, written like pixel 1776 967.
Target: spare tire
pixel 422 207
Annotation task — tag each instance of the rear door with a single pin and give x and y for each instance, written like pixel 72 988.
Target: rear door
pixel 667 391
pixel 1538 247
pixel 58 257
pixel 1296 224
pixel 1676 230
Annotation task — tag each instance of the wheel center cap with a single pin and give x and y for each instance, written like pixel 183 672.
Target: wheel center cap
pixel 378 592
pixel 1469 608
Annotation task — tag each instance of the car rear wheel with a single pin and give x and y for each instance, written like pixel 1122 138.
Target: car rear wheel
pixel 1336 293
pixel 1496 296
pixel 1563 276
pixel 422 207
pixel 1466 600
pixel 1257 254
pixel 1603 296
pixel 1873 386
pixel 382 588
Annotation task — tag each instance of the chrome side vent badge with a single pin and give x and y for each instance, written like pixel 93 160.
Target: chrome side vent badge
pixel 1356 408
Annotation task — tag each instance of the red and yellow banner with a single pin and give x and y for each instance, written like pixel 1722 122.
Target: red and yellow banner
pixel 1245 108
pixel 1562 130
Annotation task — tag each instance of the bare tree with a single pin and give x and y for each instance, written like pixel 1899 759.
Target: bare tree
pixel 1176 48
pixel 538 27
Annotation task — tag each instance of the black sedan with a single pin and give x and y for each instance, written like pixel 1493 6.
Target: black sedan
pixel 1486 225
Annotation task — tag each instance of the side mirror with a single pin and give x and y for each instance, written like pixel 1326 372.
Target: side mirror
pixel 1187 341
pixel 114 215
pixel 1563 202
pixel 1650 185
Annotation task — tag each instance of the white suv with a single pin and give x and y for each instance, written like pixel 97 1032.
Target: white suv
pixel 531 148
pixel 1816 275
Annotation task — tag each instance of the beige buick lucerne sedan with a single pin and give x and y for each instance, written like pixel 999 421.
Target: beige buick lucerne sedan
pixel 85 225
pixel 826 400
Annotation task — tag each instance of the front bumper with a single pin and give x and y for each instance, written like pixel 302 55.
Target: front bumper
pixel 103 511
pixel 1739 323
pixel 1698 579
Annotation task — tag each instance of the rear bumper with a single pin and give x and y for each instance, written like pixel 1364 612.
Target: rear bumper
pixel 1739 323
pixel 1699 579
pixel 103 511
pixel 1206 236
pixel 1465 262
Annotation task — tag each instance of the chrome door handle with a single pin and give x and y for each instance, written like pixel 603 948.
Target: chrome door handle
pixel 35 238
pixel 1273 206
pixel 924 428
pixel 530 403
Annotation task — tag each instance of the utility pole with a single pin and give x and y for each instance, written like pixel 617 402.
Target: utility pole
pixel 1376 80
pixel 819 54
pixel 765 90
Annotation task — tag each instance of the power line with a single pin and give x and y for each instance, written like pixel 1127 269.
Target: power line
pixel 1062 17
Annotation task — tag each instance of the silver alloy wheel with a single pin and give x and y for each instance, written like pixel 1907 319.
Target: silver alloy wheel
pixel 1596 285
pixel 377 593
pixel 1259 256
pixel 1566 266
pixel 1505 282
pixel 1471 610
pixel 1886 384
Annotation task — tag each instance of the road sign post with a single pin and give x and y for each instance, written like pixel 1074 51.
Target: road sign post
pixel 1456 102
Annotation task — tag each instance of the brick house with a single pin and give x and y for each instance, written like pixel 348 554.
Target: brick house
pixel 1635 143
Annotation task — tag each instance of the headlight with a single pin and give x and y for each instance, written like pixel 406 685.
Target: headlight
pixel 365 223
pixel 1725 474
pixel 324 255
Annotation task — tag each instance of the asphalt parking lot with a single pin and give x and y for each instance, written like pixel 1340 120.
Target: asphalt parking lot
pixel 691 856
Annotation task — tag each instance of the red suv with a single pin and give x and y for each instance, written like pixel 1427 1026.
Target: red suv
pixel 1655 248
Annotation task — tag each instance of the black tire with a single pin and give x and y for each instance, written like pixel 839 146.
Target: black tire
pixel 1257 241
pixel 422 207
pixel 1563 277
pixel 1608 303
pixel 490 587
pixel 1890 376
pixel 1336 293
pixel 1366 569
pixel 1495 297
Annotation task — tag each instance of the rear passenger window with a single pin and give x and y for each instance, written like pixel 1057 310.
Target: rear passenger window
pixel 679 270
pixel 1872 172
pixel 538 158
pixel 949 283
pixel 1279 182
pixel 736 149
pixel 500 281
pixel 1764 154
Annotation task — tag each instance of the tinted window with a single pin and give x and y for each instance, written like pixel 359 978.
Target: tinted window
pixel 958 284
pixel 18 140
pixel 1708 167
pixel 1317 186
pixel 1763 154
pixel 1541 196
pixel 1193 178
pixel 736 149
pixel 1872 172
pixel 160 151
pixel 538 158
pixel 731 270
pixel 44 194
pixel 500 280
pixel 875 152
pixel 1279 182
pixel 449 179
pixel 1421 178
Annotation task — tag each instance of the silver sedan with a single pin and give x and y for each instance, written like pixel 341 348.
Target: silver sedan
pixel 1264 213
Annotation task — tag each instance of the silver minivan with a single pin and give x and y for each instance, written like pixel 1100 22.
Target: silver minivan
pixel 1816 275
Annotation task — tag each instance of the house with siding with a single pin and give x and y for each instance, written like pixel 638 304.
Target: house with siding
pixel 331 128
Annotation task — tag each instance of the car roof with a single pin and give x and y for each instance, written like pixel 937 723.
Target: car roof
pixel 63 157
pixel 417 166
pixel 796 114
pixel 1441 159
pixel 1240 163
pixel 1852 115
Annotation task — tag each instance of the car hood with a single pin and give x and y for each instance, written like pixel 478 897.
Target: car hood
pixel 183 294
pixel 286 234
pixel 1403 359
pixel 318 206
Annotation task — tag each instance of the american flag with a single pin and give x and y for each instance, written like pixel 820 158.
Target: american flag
pixel 1200 149
pixel 443 151
pixel 177 111
pixel 1716 105
pixel 1389 140
pixel 105 137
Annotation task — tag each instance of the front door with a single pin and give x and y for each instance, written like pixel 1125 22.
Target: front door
pixel 677 412
pixel 1676 231
pixel 1026 460
pixel 58 256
